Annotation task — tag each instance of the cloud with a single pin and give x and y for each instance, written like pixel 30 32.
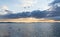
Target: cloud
pixel 54 9
pixel 55 1
pixel 30 5
pixel 35 14
pixel 2 10
pixel 5 10
pixel 55 12
pixel 5 7
pixel 38 14
pixel 26 3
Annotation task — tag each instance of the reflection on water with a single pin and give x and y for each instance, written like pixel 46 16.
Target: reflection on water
pixel 29 29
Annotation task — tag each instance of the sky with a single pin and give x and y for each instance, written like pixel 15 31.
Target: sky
pixel 29 8
pixel 24 5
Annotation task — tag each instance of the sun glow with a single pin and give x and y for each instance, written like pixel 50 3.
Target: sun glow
pixel 27 20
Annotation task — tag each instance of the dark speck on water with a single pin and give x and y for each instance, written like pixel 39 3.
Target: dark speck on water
pixel 29 29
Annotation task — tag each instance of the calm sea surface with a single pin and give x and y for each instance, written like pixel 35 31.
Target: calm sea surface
pixel 29 29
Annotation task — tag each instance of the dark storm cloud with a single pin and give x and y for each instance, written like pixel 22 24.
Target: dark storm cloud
pixel 55 1
pixel 35 14
pixel 55 9
pixel 38 14
pixel 55 12
pixel 18 15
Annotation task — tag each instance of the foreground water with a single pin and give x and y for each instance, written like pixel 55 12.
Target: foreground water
pixel 30 29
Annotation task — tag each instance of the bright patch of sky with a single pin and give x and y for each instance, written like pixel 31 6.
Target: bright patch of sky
pixel 24 5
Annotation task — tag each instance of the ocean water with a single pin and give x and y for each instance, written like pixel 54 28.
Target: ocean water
pixel 30 29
